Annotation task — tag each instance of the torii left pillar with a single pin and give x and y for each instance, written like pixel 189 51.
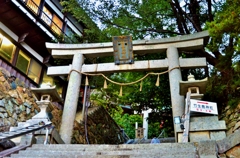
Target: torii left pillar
pixel 71 100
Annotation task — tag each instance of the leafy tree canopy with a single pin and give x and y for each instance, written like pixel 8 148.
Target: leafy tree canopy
pixel 224 44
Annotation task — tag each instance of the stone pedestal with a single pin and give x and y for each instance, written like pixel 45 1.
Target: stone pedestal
pixel 46 108
pixel 203 128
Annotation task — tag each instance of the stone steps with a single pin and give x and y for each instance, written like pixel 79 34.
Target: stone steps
pixel 164 150
pixel 105 146
pixel 156 155
pixel 113 156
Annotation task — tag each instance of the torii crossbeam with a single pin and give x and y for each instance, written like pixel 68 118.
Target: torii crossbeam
pixel 78 51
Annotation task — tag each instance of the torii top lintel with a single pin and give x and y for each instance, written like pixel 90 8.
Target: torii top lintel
pixel 186 42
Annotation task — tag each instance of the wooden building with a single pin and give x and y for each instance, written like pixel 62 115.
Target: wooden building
pixel 25 26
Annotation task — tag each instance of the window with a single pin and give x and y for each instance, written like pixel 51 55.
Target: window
pixel 23 62
pixel 71 38
pixel 47 16
pixel 28 66
pixel 57 25
pixel 52 20
pixel 33 5
pixel 69 31
pixel 7 48
pixel 34 71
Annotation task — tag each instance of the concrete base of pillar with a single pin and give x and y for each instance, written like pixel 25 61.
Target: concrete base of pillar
pixel 203 128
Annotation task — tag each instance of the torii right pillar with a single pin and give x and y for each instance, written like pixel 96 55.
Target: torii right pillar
pixel 174 78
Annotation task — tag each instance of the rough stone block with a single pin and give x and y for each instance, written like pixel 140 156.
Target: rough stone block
pixel 230 131
pixel 217 135
pixel 207 126
pixel 228 142
pixel 228 113
pixel 232 124
pixel 237 125
pixel 1 103
pixel 207 149
pixel 203 118
pixel 234 152
pixel 199 136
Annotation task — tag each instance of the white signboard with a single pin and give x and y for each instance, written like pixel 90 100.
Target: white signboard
pixel 203 106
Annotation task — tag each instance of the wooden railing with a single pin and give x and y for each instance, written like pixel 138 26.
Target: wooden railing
pixel 55 138
pixel 13 150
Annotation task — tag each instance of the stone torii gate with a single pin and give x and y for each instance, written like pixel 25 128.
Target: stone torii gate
pixel 77 52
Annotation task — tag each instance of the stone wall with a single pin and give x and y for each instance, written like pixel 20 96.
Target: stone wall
pixel 232 119
pixel 17 103
pixel 101 129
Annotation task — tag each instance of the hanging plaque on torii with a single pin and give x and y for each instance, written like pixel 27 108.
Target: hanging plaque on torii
pixel 123 50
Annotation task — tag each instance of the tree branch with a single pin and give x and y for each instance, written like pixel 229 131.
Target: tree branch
pixel 142 30
pixel 180 19
pixel 210 59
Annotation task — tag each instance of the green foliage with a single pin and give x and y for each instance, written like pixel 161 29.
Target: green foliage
pixel 225 24
pixel 224 31
pixel 100 97
pixel 63 38
pixel 127 122
pixel 91 33
pixel 224 92
pixel 122 19
pixel 153 130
